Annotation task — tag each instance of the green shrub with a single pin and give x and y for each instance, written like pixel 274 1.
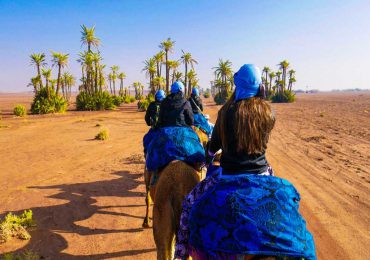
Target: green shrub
pixel 43 105
pixel 221 98
pixel 27 255
pixel 132 99
pixel 143 105
pixel 207 94
pixel 16 226
pixel 20 110
pixel 102 135
pixel 96 101
pixel 117 100
pixel 283 97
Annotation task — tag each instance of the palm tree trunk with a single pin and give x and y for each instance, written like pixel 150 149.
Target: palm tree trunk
pixel 39 74
pixel 58 80
pixel 167 74
pixel 186 75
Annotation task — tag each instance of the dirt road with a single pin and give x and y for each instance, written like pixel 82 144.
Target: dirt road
pixel 88 196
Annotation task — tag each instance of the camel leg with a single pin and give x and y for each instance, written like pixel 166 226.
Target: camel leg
pixel 163 230
pixel 147 177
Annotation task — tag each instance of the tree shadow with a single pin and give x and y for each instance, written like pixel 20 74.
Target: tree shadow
pixel 80 205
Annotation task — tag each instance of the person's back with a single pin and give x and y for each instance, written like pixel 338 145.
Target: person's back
pixel 152 113
pixel 195 101
pixel 175 109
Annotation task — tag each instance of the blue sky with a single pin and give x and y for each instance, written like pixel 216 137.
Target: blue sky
pixel 327 42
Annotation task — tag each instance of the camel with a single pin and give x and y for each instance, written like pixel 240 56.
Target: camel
pixel 203 138
pixel 175 181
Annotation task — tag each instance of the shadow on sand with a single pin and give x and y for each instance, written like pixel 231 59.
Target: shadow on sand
pixel 55 219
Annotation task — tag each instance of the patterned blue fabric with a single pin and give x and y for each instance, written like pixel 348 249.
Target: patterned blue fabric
pixel 250 214
pixel 148 138
pixel 201 122
pixel 174 143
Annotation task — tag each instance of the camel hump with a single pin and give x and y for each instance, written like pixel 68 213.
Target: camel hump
pixel 177 177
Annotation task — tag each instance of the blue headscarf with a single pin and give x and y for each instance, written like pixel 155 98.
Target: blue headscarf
pixel 160 95
pixel 247 81
pixel 195 92
pixel 177 87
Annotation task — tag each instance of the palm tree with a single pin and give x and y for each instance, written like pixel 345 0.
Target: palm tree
pixel 271 77
pixel 35 82
pixel 187 59
pixel 158 82
pixel 150 70
pixel 192 77
pixel 88 37
pixel 265 70
pixel 60 60
pixel 224 72
pixel 167 46
pixel 292 79
pixel 159 59
pixel 102 81
pixel 96 58
pixel 173 65
pixel 121 76
pixel 177 76
pixel 110 79
pixel 114 69
pixel 284 66
pixel 47 74
pixel 38 59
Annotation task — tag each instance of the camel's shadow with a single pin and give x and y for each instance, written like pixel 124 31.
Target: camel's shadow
pixel 81 205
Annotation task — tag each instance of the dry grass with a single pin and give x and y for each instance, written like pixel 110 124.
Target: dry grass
pixel 102 135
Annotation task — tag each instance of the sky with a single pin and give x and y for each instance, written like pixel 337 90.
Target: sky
pixel 326 41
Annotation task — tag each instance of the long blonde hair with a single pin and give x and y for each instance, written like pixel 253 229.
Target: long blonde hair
pixel 253 122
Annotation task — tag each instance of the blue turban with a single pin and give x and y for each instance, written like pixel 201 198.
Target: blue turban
pixel 176 87
pixel 195 91
pixel 247 81
pixel 160 95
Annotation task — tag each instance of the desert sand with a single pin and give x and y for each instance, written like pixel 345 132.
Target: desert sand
pixel 88 196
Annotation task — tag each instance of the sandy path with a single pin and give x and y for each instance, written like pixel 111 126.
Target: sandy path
pixel 87 195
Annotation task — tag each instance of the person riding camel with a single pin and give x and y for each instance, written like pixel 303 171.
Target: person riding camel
pixel 175 109
pixel 152 113
pixel 243 211
pixel 195 101
pixel 151 118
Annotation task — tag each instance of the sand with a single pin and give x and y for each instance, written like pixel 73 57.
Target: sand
pixel 88 196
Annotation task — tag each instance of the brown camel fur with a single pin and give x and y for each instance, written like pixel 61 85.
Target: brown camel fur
pixel 174 183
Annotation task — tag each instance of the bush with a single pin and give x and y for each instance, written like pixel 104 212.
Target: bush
pixel 117 100
pixel 143 105
pixel 221 98
pixel 27 255
pixel 20 110
pixel 43 105
pixel 132 99
pixel 102 135
pixel 207 94
pixel 96 101
pixel 16 226
pixel 283 97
